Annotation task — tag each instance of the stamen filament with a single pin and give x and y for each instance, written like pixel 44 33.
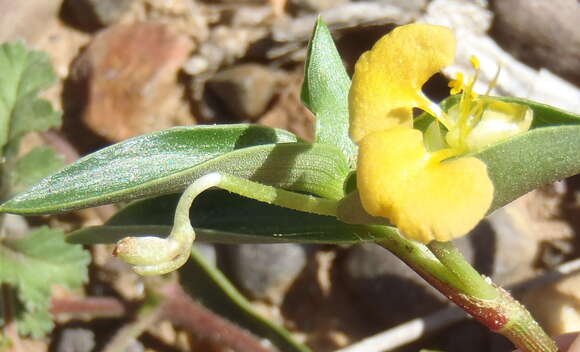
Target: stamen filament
pixel 493 82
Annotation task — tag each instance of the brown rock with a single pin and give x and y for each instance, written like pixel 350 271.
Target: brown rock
pixel 94 14
pixel 288 112
pixel 542 33
pixel 316 6
pixel 246 89
pixel 126 80
pixel 557 306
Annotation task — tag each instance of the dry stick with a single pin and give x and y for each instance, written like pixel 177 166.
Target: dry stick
pixel 10 329
pixel 177 307
pixel 62 146
pixel 129 332
pixel 183 311
pixel 416 328
pixel 95 307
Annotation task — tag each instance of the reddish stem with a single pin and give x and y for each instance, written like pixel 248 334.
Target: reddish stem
pixel 181 310
pixel 94 306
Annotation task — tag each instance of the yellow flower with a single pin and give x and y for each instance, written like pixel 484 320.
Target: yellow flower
pixel 428 190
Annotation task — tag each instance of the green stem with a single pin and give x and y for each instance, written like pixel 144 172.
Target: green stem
pixel 414 254
pixel 277 196
pixel 523 330
pixel 446 269
pixel 468 280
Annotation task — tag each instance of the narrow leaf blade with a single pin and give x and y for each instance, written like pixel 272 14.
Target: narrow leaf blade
pixel 325 92
pixel 167 161
pixel 546 153
pixel 525 162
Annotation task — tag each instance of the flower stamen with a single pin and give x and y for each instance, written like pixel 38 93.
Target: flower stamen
pixel 493 82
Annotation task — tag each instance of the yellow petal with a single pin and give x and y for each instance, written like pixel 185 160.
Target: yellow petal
pixel 425 198
pixel 387 79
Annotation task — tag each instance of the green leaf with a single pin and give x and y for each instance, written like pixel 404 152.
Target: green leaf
pixel 24 74
pixel 35 323
pixel 32 265
pixel 222 217
pixel 35 165
pixel 525 162
pixel 325 92
pixel 208 285
pixel 546 153
pixel 167 161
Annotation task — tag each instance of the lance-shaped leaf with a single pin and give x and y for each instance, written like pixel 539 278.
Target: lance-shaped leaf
pixel 546 153
pixel 167 161
pixel 222 217
pixel 525 162
pixel 325 91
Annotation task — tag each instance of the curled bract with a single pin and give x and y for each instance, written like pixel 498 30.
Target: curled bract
pixel 152 255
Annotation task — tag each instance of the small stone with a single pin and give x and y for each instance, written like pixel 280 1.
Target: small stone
pixel 466 336
pixel 20 20
pixel 288 112
pixel 125 83
pixel 392 293
pixel 408 5
pixel 135 346
pixel 15 226
pixel 385 288
pixel 246 90
pixel 500 237
pixel 557 306
pixel 94 14
pixel 541 33
pixel 309 6
pixel 472 336
pixel 76 340
pixel 266 271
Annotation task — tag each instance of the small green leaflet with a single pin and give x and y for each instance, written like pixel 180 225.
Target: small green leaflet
pixel 32 265
pixel 24 74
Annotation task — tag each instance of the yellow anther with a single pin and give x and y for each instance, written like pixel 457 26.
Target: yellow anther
pixel 474 62
pixel 457 84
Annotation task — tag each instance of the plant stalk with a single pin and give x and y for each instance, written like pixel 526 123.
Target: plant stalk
pixel 454 277
pixel 469 281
